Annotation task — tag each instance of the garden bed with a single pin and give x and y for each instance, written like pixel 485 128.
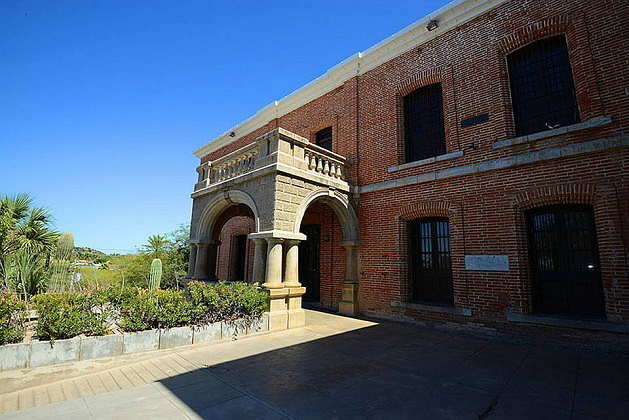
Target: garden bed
pixel 42 353
pixel 115 321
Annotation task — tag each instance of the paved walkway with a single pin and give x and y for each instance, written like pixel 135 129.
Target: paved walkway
pixel 335 368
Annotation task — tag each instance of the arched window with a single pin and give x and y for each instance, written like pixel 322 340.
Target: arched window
pixel 542 87
pixel 423 123
pixel 430 265
pixel 564 261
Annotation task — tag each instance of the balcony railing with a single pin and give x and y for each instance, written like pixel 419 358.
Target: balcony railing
pixel 279 149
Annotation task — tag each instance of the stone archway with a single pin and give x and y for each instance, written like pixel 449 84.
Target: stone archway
pixel 342 208
pixel 204 239
pixel 276 176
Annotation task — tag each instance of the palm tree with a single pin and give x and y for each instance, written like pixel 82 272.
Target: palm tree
pixel 157 245
pixel 23 227
pixel 25 235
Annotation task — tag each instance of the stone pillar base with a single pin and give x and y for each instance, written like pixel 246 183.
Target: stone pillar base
pixel 349 303
pixel 296 315
pixel 285 308
pixel 278 320
pixel 278 314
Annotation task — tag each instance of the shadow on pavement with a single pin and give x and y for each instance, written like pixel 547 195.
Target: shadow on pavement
pixel 399 371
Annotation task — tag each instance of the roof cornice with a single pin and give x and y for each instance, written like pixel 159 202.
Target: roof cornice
pixel 449 17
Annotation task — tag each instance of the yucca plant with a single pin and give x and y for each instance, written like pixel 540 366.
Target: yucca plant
pixel 155 277
pixel 24 274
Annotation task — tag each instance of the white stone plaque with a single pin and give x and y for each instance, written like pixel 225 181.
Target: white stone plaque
pixel 487 262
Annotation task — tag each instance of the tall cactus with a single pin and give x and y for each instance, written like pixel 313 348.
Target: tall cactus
pixel 156 274
pixel 60 264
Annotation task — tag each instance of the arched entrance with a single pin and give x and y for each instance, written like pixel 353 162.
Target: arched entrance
pixel 216 252
pixel 328 258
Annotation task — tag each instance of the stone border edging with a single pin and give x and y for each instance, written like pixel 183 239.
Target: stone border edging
pixel 41 353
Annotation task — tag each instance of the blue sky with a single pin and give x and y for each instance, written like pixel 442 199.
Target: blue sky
pixel 103 102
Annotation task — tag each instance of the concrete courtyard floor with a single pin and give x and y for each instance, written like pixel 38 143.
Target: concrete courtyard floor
pixel 334 368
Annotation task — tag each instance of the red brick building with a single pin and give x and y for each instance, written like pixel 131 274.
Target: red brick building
pixel 484 149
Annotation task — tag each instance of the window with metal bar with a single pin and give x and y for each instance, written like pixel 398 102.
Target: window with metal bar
pixel 542 87
pixel 564 261
pixel 430 266
pixel 323 138
pixel 423 123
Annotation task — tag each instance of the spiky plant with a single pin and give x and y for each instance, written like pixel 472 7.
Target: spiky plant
pixel 60 266
pixel 156 274
pixel 24 274
pixel 24 229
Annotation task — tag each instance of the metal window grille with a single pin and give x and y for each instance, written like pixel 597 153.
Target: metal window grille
pixel 564 261
pixel 423 123
pixel 542 87
pixel 431 267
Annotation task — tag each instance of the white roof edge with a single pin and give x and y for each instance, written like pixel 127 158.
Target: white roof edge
pixel 449 16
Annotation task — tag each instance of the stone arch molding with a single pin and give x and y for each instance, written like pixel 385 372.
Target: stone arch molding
pixel 340 205
pixel 217 205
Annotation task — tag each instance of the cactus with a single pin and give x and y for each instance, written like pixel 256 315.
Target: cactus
pixel 60 264
pixel 156 274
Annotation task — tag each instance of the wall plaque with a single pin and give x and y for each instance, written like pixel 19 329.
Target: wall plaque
pixel 476 119
pixel 487 262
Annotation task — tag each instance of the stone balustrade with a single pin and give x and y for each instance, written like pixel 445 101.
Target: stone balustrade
pixel 321 161
pixel 279 149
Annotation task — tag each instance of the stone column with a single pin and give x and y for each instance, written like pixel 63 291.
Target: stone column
pixel 296 314
pixel 273 279
pixel 291 271
pixel 205 264
pixel 200 266
pixel 259 261
pixel 278 315
pixel 349 301
pixel 192 260
pixel 212 254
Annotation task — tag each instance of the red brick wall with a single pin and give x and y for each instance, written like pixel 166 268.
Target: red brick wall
pixel 485 209
pixel 239 225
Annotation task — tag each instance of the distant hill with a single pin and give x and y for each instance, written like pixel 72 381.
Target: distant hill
pixel 89 254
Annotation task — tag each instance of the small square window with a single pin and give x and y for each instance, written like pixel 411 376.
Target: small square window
pixel 323 138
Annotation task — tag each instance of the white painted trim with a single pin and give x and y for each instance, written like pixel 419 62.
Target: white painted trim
pixel 449 16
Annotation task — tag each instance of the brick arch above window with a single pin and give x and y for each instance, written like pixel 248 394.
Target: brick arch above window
pixel 427 209
pixel 574 28
pixel 424 78
pixel 556 194
pixel 445 76
pixel 535 31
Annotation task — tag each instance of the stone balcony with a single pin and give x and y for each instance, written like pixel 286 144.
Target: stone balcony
pixel 279 151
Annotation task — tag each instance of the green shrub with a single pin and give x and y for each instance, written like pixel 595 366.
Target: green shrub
pixel 227 302
pixel 66 315
pixel 147 309
pixel 117 295
pixel 12 317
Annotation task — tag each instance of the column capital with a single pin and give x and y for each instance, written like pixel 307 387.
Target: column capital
pixel 350 244
pixel 272 241
pixel 280 234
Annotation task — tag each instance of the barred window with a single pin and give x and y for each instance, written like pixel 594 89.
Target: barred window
pixel 542 87
pixel 430 266
pixel 423 123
